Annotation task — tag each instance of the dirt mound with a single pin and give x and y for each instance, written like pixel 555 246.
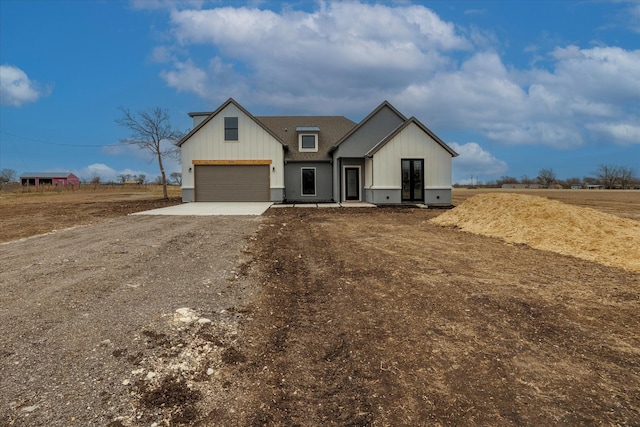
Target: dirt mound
pixel 550 225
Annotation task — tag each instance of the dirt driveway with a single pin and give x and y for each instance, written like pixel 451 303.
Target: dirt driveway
pixel 311 317
pixel 87 315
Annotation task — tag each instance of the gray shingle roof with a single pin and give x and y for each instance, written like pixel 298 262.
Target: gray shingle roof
pixel 332 129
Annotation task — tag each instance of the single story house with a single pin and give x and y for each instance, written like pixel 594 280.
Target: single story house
pixel 49 178
pixel 231 155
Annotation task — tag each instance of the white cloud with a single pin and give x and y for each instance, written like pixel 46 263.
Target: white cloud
pixel 309 55
pixel 629 16
pixel 104 172
pixel 606 74
pixel 620 132
pixel 186 77
pixel 162 55
pixel 535 106
pixel 16 89
pixel 346 57
pixel 109 174
pixel 473 160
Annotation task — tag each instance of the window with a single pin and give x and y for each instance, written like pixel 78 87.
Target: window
pixel 308 142
pixel 308 181
pixel 230 128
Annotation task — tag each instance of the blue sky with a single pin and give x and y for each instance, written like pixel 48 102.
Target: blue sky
pixel 513 86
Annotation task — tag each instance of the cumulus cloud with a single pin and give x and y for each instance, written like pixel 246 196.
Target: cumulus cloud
pixel 475 161
pixel 307 55
pixel 186 77
pixel 346 57
pixel 109 174
pixel 534 106
pixel 622 132
pixel 104 172
pixel 16 89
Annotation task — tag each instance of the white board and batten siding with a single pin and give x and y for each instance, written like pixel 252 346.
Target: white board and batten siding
pixel 410 143
pixel 254 144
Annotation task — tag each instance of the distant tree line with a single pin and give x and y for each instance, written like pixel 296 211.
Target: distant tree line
pixel 127 177
pixel 9 176
pixel 607 176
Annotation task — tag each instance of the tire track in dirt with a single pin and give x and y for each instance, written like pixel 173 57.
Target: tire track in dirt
pixel 381 318
pixel 307 367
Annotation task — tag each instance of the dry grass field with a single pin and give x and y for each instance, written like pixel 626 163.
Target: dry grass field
pixel 361 317
pixel 29 214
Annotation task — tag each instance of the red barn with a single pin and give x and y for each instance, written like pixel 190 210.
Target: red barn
pixel 49 178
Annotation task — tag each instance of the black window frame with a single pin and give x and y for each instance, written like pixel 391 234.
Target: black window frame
pixel 302 148
pixel 230 128
pixel 304 182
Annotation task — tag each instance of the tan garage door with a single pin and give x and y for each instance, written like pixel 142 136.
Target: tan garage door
pixel 232 183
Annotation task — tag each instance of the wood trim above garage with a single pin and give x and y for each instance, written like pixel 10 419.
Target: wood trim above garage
pixel 232 162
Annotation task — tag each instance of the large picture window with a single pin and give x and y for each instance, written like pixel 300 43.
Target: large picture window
pixel 308 181
pixel 230 128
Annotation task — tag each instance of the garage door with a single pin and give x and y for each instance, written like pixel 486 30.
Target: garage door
pixel 232 183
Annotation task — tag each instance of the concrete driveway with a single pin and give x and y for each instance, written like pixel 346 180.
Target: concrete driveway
pixel 211 208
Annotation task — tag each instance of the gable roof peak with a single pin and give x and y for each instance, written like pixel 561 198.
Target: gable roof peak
pixel 218 110
pixel 403 126
pixel 375 111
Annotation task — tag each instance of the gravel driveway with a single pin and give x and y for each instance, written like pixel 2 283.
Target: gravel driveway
pixel 88 322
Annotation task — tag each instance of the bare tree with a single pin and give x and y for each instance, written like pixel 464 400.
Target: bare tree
pixel 176 178
pixel 608 175
pixel 151 131
pixel 546 177
pixel 124 177
pixel 95 178
pixel 526 180
pixel 505 179
pixel 589 180
pixel 7 176
pixel 626 177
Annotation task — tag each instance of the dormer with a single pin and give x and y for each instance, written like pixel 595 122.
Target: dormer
pixel 308 138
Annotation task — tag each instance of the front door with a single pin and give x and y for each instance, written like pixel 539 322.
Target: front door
pixel 412 180
pixel 352 183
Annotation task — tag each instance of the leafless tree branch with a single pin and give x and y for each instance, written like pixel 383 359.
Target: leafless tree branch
pixel 149 130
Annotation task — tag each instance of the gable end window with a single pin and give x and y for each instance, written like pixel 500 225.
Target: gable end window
pixel 308 142
pixel 308 181
pixel 230 128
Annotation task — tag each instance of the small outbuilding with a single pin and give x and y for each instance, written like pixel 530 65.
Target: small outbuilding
pixel 49 178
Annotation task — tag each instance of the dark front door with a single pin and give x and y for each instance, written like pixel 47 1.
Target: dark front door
pixel 412 180
pixel 352 183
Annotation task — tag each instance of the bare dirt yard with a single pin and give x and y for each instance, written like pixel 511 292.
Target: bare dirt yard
pixel 312 317
pixel 30 214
